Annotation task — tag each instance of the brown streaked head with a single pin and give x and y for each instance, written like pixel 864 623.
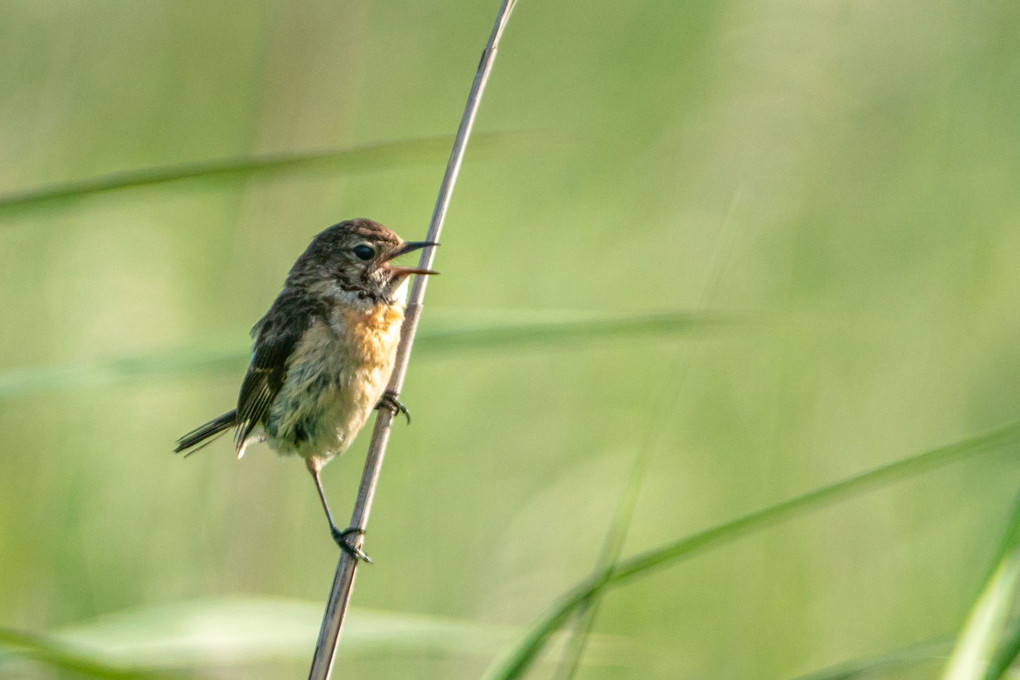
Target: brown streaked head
pixel 356 254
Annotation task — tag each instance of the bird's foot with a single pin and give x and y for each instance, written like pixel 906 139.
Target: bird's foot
pixel 391 403
pixel 341 540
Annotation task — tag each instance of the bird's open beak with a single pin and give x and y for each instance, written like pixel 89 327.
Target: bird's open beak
pixel 404 250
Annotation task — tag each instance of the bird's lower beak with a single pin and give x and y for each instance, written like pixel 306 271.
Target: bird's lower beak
pixel 410 247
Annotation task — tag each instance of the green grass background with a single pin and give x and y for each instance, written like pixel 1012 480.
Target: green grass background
pixel 838 181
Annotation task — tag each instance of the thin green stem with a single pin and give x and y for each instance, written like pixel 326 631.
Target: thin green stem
pixel 370 156
pixel 656 429
pixel 646 563
pixel 343 580
pixel 213 357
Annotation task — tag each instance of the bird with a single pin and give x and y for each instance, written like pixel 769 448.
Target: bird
pixel 323 354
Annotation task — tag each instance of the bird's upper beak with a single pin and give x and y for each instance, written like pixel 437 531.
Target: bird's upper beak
pixel 404 250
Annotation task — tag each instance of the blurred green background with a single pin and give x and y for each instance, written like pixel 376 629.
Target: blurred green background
pixel 841 179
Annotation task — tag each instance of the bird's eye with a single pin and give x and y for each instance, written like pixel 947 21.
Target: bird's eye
pixel 363 251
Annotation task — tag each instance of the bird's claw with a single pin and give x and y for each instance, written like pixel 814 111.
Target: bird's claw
pixel 341 540
pixel 391 403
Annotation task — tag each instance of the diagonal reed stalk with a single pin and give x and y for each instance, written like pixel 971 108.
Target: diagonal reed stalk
pixel 213 356
pixel 646 563
pixel 343 581
pixel 667 402
pixel 363 157
pixel 975 654
pixel 360 158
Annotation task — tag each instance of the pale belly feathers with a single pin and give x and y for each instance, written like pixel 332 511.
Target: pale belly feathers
pixel 335 378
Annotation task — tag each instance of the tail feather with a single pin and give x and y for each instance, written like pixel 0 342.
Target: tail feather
pixel 205 434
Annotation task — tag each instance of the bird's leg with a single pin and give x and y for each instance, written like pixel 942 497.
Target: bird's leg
pixel 339 536
pixel 391 403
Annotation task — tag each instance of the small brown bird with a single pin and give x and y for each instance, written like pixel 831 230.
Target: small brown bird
pixel 323 353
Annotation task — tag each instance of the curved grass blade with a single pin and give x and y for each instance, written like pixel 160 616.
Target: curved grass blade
pixel 57 654
pixel 220 356
pixel 666 403
pixel 646 563
pixel 371 156
pixel 182 637
pixel 929 652
pixel 932 652
pixel 545 333
pixel 1004 659
pixel 987 622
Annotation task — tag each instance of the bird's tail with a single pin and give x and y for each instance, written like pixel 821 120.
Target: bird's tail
pixel 205 434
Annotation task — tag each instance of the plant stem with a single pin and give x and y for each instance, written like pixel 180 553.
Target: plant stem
pixel 643 564
pixel 343 581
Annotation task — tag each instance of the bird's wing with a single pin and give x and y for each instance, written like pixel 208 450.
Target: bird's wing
pixel 276 336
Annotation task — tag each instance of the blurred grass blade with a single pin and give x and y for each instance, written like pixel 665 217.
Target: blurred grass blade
pixel 666 403
pixel 242 630
pixel 59 654
pixel 645 563
pixel 1008 653
pixel 367 157
pixel 908 467
pixel 573 331
pixel 987 621
pixel 232 356
pixel 214 358
pixel 928 653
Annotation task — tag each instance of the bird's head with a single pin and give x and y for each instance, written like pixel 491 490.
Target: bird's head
pixel 356 257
